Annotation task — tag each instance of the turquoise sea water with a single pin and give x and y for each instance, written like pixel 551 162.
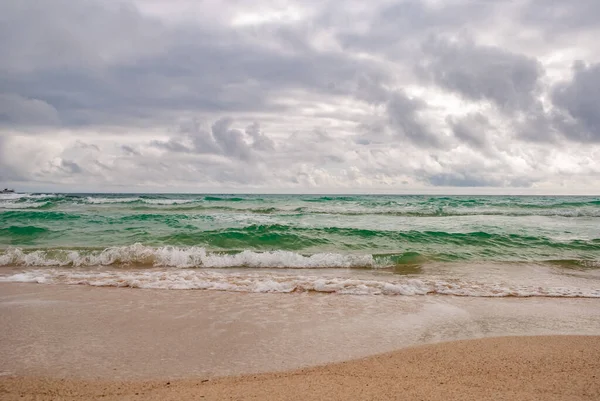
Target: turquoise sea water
pixel 502 241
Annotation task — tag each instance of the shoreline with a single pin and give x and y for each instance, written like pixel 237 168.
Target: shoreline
pixel 491 280
pixel 86 332
pixel 524 368
pixel 80 343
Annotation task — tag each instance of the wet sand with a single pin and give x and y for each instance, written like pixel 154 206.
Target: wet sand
pixel 75 342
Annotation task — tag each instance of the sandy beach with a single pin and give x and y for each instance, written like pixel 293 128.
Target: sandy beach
pixel 80 343
pixel 508 368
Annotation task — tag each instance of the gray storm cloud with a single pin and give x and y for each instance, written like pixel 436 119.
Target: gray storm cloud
pixel 580 101
pixel 405 96
pixel 482 73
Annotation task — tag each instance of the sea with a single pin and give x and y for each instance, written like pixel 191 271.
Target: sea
pixel 371 245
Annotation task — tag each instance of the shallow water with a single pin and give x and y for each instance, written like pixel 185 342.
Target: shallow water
pixel 87 332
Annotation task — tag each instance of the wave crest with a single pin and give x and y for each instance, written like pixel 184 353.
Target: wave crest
pixel 271 283
pixel 170 256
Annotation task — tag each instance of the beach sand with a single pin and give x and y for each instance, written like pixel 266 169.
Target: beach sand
pixel 81 343
pixel 507 368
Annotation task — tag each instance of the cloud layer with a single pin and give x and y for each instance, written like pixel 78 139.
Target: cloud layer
pixel 283 96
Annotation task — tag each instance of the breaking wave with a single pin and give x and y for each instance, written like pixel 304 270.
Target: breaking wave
pixel 272 283
pixel 141 255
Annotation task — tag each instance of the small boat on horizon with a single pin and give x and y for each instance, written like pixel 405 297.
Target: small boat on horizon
pixel 8 191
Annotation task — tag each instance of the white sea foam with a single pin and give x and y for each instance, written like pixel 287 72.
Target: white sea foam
pixel 22 205
pixel 168 201
pixel 5 197
pixel 262 282
pixel 17 196
pixel 95 200
pixel 23 201
pixel 170 256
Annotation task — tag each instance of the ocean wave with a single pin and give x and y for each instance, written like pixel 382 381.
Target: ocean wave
pixel 169 256
pixel 95 200
pixel 293 237
pixel 141 200
pixel 139 255
pixel 18 215
pixel 409 206
pixel 271 283
pixel 26 201
pixel 167 201
pixel 331 198
pixel 17 196
pixel 371 211
pixel 199 206
pixel 23 231
pixel 24 205
pixel 226 199
pixel 439 212
pixel 184 232
pixel 397 211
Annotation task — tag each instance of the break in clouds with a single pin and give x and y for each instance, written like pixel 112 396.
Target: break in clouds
pixel 283 96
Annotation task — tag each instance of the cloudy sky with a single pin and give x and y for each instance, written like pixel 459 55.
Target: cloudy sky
pixel 473 96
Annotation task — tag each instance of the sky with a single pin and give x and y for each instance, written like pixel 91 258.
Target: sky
pixel 405 96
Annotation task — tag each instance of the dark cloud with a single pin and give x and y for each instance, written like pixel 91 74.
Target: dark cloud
pixel 372 89
pixel 89 77
pixel 396 28
pixel 472 129
pixel 70 167
pixel 128 150
pixel 482 73
pixel 17 110
pixel 405 122
pixel 230 140
pixel 83 145
pixel 536 125
pixel 401 119
pixel 461 180
pixel 579 103
pixel 461 177
pixel 172 145
pixel 260 141
pixel 220 139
